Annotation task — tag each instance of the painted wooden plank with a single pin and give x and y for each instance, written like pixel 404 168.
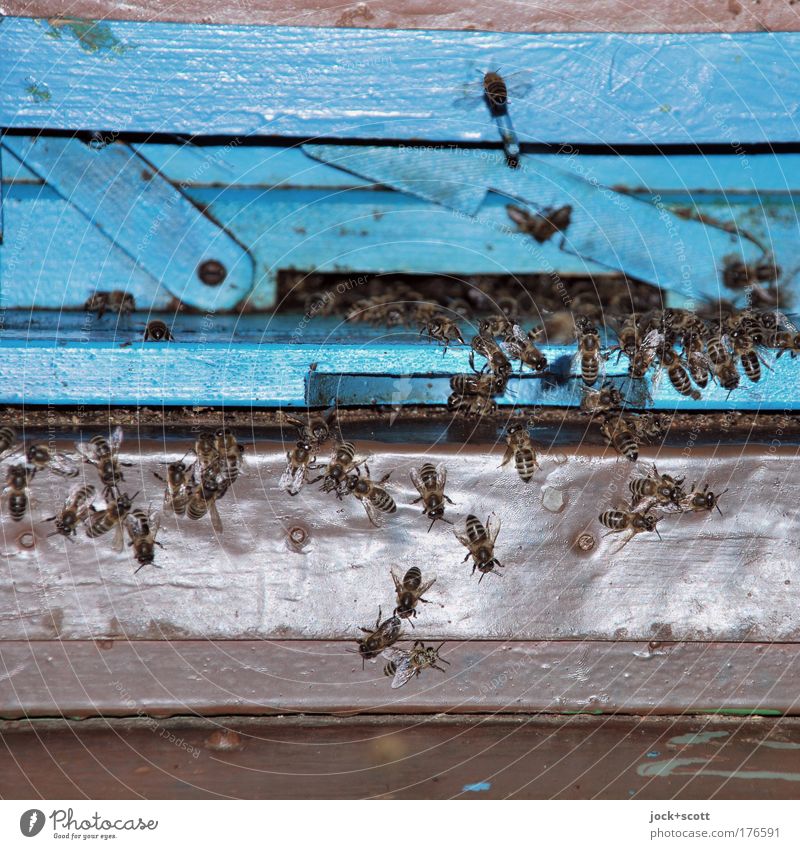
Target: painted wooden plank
pixel 543 757
pixel 153 222
pixel 285 677
pixel 609 88
pixel 729 577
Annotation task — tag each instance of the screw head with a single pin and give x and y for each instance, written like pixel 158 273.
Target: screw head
pixel 212 272
pixel 585 542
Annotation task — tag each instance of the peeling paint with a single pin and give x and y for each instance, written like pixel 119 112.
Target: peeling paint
pixel 478 787
pixel 697 738
pixel 93 36
pixel 666 769
pixel 37 91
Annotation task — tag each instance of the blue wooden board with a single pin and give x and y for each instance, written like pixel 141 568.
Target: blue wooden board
pixel 395 84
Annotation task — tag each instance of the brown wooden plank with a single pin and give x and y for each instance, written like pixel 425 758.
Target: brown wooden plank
pixel 117 678
pixel 727 578
pixel 402 757
pixel 502 15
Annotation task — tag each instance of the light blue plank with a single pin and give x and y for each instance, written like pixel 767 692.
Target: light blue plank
pixel 346 83
pixel 154 223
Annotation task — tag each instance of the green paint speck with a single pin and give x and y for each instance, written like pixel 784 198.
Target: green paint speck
pixel 38 92
pixel 93 36
pixel 665 107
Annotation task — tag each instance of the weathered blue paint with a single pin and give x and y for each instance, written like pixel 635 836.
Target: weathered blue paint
pixel 477 787
pixel 137 209
pixel 395 84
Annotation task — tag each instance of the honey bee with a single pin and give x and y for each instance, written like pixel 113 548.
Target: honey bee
pixel 75 509
pixel 696 361
pixel 376 500
pixel 471 405
pixel 495 93
pixel 644 354
pixel 480 541
pixel 629 520
pixel 543 225
pixel 99 522
pixel 316 429
pixel 496 361
pixel 8 441
pixel 745 349
pixel 496 325
pixel 410 591
pixel 116 301
pixel 627 338
pixel 178 487
pixel 205 450
pixel 478 384
pixel 342 463
pixel 588 350
pixel 441 328
pixel 103 454
pixel 603 400
pixel 677 374
pixel 230 457
pixel 727 375
pixel 203 499
pixel 430 483
pixel 405 665
pixel 620 437
pixel 520 346
pixel 157 331
pixel 142 530
pixel 783 341
pixel 40 457
pixel 664 489
pixel 698 500
pixel 379 638
pixel 300 460
pixel 18 477
pixel 520 447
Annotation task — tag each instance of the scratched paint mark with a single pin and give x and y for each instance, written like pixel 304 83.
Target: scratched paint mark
pixel 666 769
pixel 777 744
pixel 653 755
pixel 478 787
pixel 697 738
pixel 93 36
pixel 37 91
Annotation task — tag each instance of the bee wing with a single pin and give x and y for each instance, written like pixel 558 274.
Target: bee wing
pixel 404 672
pixel 396 655
pixel 63 464
pixel 216 521
pixel 86 450
pixel 377 517
pixel 492 527
pixel 288 480
pixel 115 440
pixel 118 544
pixel 441 475
pixel 463 538
pixel 425 587
pixel 416 479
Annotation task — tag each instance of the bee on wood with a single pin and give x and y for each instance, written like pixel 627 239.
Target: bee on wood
pixel 230 457
pixel 8 441
pixel 74 512
pixel 99 522
pixel 603 400
pixel 478 384
pixel 441 328
pixel 495 93
pixel 677 374
pixel 115 301
pixel 40 457
pixel 749 357
pixel 727 375
pixel 18 477
pixel 299 460
pixel 496 325
pixel 588 350
pixel 430 483
pixel 410 591
pixel 205 450
pixel 316 429
pixel 142 530
pixel 178 487
pixel 203 499
pixel 496 361
pixel 405 665
pixel 663 489
pixel 342 463
pixel 627 338
pixel 157 331
pixel 520 346
pixel 379 638
pixel 696 361
pixel 644 354
pixel 698 500
pixel 480 541
pixel 471 405
pixel 543 225
pixel 103 454
pixel 520 448
pixel 634 521
pixel 376 500
pixel 620 437
pixel 783 341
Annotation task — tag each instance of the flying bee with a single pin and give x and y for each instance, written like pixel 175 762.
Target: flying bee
pixel 157 331
pixel 342 463
pixel 601 400
pixel 698 500
pixel 203 499
pixel 316 429
pixel 629 520
pixel 441 328
pixel 664 489
pixel 231 456
pixel 480 541
pixel 543 225
pixel 520 346
pixel 75 509
pixel 620 437
pixel 99 522
pixel 410 591
pixel 520 448
pixel 40 457
pixel 405 665
pixel 115 301
pixel 478 384
pixel 142 530
pixel 376 500
pixel 178 487
pixel 103 454
pixel 677 374
pixel 300 459
pixel 430 483
pixel 18 477
pixel 496 361
pixel 588 350
pixel 379 638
